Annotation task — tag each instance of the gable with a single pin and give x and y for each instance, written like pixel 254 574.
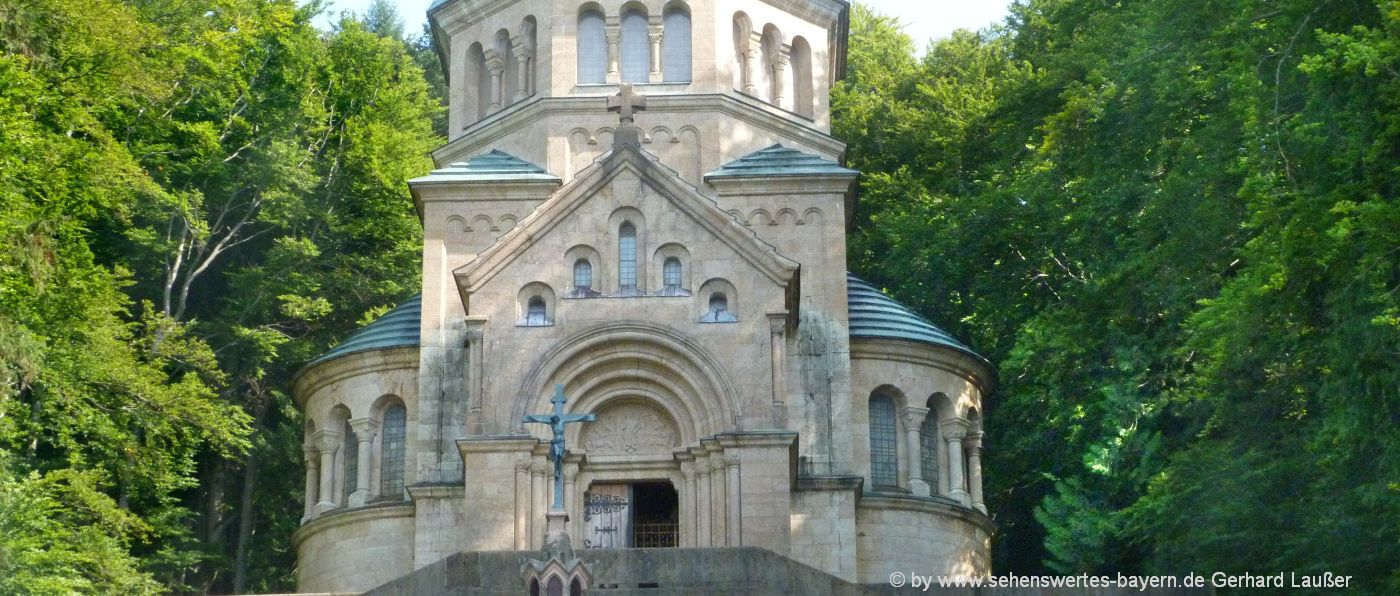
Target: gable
pixel 625 181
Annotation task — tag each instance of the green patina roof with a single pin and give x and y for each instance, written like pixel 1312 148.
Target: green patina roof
pixel 873 315
pixel 398 328
pixel 494 166
pixel 779 161
pixel 877 316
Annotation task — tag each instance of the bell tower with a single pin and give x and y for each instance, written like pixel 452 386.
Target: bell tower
pixel 723 78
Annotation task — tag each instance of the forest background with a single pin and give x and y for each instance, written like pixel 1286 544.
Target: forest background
pixel 1171 225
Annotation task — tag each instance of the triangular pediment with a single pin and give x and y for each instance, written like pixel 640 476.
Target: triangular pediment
pixel 626 162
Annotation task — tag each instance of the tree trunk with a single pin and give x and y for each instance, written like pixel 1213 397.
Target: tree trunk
pixel 245 522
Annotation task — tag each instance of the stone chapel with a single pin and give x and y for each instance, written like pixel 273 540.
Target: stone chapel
pixel 640 202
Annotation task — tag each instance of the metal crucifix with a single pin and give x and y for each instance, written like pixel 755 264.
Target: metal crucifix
pixel 556 422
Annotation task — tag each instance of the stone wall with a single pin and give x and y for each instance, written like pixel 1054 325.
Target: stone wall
pixel 344 552
pixel 937 538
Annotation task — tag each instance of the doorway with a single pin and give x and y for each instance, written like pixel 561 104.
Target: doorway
pixel 635 515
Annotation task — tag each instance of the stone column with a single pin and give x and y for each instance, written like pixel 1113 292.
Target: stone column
pixel 365 429
pixel 687 505
pixel 312 456
pixel 570 501
pixel 523 57
pixel 539 502
pixel 735 510
pixel 954 430
pixel 703 508
pixel 777 330
pixel 476 333
pixel 522 503
pixel 614 33
pixel 654 34
pixel 751 69
pixel 780 66
pixel 497 66
pixel 719 497
pixel 913 419
pixel 974 469
pixel 328 441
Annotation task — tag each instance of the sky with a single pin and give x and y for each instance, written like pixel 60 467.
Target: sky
pixel 923 19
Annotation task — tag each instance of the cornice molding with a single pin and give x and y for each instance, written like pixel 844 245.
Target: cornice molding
pixel 482 135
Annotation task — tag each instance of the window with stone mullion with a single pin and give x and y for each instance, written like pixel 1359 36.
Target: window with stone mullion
pixel 627 259
pixel 392 454
pixel 352 461
pixel 884 450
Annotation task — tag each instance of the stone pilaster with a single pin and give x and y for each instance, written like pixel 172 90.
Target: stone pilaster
pixel 496 65
pixel 736 515
pixel 654 35
pixel 311 455
pixel 365 430
pixel 973 443
pixel 476 355
pixel 954 431
pixel 522 503
pixel 777 337
pixel 913 420
pixel 524 59
pixel 780 78
pixel 328 441
pixel 614 35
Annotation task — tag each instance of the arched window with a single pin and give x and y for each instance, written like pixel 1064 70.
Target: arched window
pixel 556 587
pixel 536 314
pixel 534 587
pixel 391 453
pixel 592 49
pixel 476 59
pixel 675 44
pixel 671 276
pixel 928 448
pixel 802 77
pixel 575 588
pixel 352 461
pixel 884 453
pixel 627 258
pixel 583 275
pixel 636 50
pixel 719 310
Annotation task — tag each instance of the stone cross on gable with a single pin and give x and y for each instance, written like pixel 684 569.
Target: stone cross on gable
pixel 556 422
pixel 627 103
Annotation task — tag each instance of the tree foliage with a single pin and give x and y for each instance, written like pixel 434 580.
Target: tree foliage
pixel 1173 226
pixel 195 199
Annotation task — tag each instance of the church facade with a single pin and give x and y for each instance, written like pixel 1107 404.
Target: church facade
pixel 640 204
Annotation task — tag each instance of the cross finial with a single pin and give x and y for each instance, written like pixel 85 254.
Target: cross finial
pixel 627 103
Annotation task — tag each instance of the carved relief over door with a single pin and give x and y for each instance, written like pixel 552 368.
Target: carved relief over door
pixel 631 429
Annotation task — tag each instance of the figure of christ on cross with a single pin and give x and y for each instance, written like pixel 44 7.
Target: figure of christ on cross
pixel 556 422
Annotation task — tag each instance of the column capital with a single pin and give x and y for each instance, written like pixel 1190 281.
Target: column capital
pixel 522 464
pixel 913 416
pixel 687 469
pixel 614 33
pixel 777 322
pixel 953 429
pixel 365 428
pixel 494 61
pixel 327 440
pixel 538 467
pixel 655 32
pixel 974 438
pixel 476 328
pixel 731 461
pixel 781 59
pixel 311 453
pixel 717 464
